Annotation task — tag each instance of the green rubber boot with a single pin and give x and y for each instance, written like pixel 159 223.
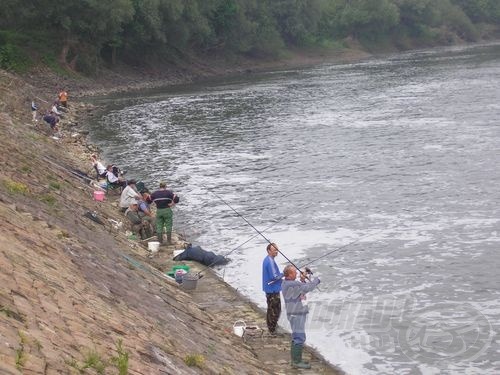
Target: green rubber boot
pixel 296 353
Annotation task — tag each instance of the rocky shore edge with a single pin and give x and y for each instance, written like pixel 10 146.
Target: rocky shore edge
pixel 78 296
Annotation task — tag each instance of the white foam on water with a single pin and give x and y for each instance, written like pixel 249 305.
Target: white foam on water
pixel 340 353
pixel 429 370
pixel 429 210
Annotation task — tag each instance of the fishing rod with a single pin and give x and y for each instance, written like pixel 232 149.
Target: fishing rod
pixel 342 247
pixel 255 229
pixel 71 171
pixel 351 243
pixel 240 245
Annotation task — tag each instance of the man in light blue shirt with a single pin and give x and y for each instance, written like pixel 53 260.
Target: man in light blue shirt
pixel 271 284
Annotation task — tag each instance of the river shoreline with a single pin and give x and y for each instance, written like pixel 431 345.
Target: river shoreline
pixel 72 286
pixel 272 352
pixel 72 289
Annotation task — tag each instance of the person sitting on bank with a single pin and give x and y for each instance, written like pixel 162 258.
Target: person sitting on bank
pixel 54 110
pixel 112 179
pixel 100 169
pixel 52 120
pixel 294 294
pixel 144 203
pixel 141 228
pixel 144 209
pixel 164 200
pixel 129 195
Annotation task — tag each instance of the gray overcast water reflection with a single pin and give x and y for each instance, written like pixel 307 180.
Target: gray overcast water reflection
pixel 398 151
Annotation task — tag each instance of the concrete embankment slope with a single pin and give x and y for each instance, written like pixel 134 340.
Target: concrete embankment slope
pixel 77 296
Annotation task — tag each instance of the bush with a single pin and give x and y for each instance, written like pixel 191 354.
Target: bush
pixel 194 360
pixel 13 58
pixel 14 187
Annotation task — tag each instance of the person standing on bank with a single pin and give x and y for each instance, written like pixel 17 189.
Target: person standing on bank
pixel 164 200
pixel 34 108
pixel 63 98
pixel 271 284
pixel 294 294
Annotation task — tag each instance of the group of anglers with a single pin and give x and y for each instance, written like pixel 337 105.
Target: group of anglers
pixel 294 294
pixel 53 114
pixel 135 202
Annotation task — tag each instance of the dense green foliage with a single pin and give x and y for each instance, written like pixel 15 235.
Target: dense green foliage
pixel 83 34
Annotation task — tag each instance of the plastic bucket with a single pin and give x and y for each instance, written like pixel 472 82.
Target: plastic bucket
pixel 99 195
pixel 153 246
pixel 189 281
pixel 239 328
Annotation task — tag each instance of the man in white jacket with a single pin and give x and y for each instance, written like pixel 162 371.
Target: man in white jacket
pixel 129 195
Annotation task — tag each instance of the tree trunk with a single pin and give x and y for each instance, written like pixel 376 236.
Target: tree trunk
pixel 72 63
pixel 64 54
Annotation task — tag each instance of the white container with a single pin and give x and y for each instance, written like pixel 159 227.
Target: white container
pixel 153 246
pixel 239 328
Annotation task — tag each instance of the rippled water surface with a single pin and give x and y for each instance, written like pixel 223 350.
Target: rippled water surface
pixel 394 157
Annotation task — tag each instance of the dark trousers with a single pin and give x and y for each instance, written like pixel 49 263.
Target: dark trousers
pixel 273 311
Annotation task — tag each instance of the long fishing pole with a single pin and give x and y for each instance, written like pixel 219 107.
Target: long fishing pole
pixel 342 247
pixel 349 244
pixel 255 229
pixel 240 245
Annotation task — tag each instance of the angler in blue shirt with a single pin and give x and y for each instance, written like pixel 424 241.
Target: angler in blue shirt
pixel 271 284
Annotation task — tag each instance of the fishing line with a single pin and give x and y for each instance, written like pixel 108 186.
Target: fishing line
pixel 342 247
pixel 351 243
pixel 248 240
pixel 246 221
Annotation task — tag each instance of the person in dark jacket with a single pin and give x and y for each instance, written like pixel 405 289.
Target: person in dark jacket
pixel 164 200
pixel 52 120
pixel 294 294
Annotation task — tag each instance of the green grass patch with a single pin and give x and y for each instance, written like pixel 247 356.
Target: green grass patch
pixel 48 199
pixel 50 60
pixel 21 357
pixel 14 187
pixel 94 361
pixel 14 59
pixel 9 313
pixel 25 169
pixel 62 234
pixel 54 185
pixel 121 360
pixel 195 360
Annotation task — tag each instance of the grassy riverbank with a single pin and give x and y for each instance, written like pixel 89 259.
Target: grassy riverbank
pixel 77 296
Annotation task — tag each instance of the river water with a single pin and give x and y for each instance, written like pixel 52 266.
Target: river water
pixel 387 169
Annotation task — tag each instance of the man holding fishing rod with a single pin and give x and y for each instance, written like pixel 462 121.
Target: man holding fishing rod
pixel 271 284
pixel 294 294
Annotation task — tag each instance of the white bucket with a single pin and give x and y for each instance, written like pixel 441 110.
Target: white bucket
pixel 239 328
pixel 153 246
